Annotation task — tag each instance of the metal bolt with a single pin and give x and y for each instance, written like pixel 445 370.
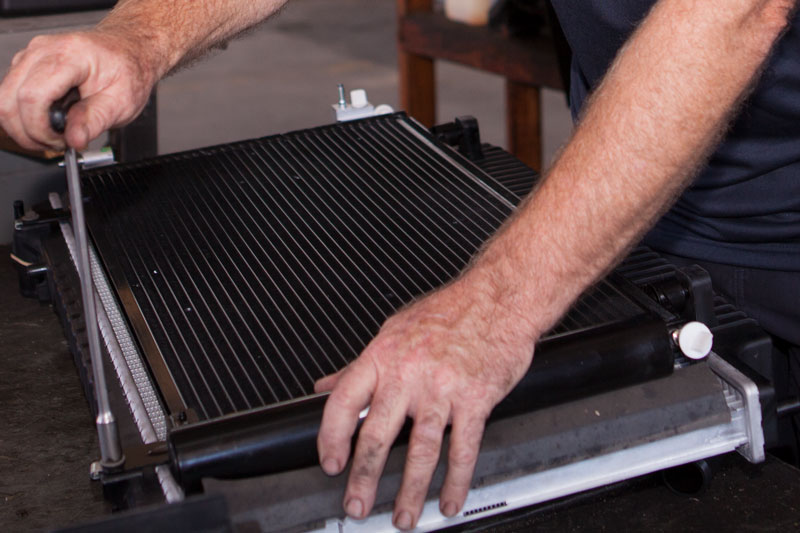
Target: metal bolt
pixel 95 470
pixel 342 98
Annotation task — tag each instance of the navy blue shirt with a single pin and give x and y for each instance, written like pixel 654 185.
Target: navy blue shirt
pixel 744 208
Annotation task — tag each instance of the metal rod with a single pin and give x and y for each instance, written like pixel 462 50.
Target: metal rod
pixel 789 407
pixel 108 435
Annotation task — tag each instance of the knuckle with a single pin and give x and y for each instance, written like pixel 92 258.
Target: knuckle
pixel 100 118
pixel 461 458
pixel 40 40
pixel 421 457
pixel 27 94
pixel 391 321
pixel 371 443
pixel 424 450
pixel 474 421
pixel 432 423
pixel 17 57
pixel 330 438
pixel 425 446
pixel 444 380
pixel 343 396
pixel 363 476
pixel 382 344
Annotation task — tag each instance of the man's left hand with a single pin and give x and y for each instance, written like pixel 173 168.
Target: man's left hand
pixel 447 359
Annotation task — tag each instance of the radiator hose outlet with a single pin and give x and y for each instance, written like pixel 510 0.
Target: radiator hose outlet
pixel 691 479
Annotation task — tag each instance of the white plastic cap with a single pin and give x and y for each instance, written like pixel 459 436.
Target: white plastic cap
pixel 358 98
pixel 695 340
pixel 384 109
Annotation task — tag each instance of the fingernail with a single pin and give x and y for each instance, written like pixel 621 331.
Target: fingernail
pixel 330 466
pixel 403 520
pixel 450 509
pixel 354 508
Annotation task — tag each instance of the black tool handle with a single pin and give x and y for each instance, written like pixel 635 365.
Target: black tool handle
pixel 60 108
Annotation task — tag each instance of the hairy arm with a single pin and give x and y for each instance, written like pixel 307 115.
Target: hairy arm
pixel 177 31
pixel 115 65
pixel 660 111
pixel 449 358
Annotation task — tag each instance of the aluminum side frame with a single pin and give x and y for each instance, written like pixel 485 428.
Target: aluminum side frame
pixel 128 363
pixel 743 433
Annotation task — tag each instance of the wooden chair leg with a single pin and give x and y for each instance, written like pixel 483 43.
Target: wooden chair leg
pixel 418 87
pixel 523 123
pixel 417 81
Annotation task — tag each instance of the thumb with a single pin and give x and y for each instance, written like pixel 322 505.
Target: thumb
pixel 88 119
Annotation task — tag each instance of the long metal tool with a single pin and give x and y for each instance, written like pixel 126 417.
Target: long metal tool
pixel 107 432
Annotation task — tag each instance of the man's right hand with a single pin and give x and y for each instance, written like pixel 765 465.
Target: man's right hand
pixel 114 81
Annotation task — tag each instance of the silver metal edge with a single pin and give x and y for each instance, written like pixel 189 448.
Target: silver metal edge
pixel 742 433
pixel 149 416
pixel 455 163
pixel 753 450
pixel 569 479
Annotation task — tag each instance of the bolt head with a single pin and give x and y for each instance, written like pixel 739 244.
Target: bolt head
pixel 95 470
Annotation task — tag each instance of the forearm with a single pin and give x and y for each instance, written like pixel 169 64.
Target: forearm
pixel 171 32
pixel 661 109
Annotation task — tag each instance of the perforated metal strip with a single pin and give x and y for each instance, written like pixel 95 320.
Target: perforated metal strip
pixel 127 361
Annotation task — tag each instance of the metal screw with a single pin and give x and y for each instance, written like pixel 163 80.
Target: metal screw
pixel 95 470
pixel 342 98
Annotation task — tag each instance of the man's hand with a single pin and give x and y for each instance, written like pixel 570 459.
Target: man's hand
pixel 447 359
pixel 115 65
pixel 113 81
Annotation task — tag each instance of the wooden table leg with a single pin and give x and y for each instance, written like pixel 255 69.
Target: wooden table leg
pixel 417 80
pixel 418 87
pixel 523 123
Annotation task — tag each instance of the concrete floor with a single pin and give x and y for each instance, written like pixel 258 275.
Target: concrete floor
pixel 280 77
pixel 47 440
